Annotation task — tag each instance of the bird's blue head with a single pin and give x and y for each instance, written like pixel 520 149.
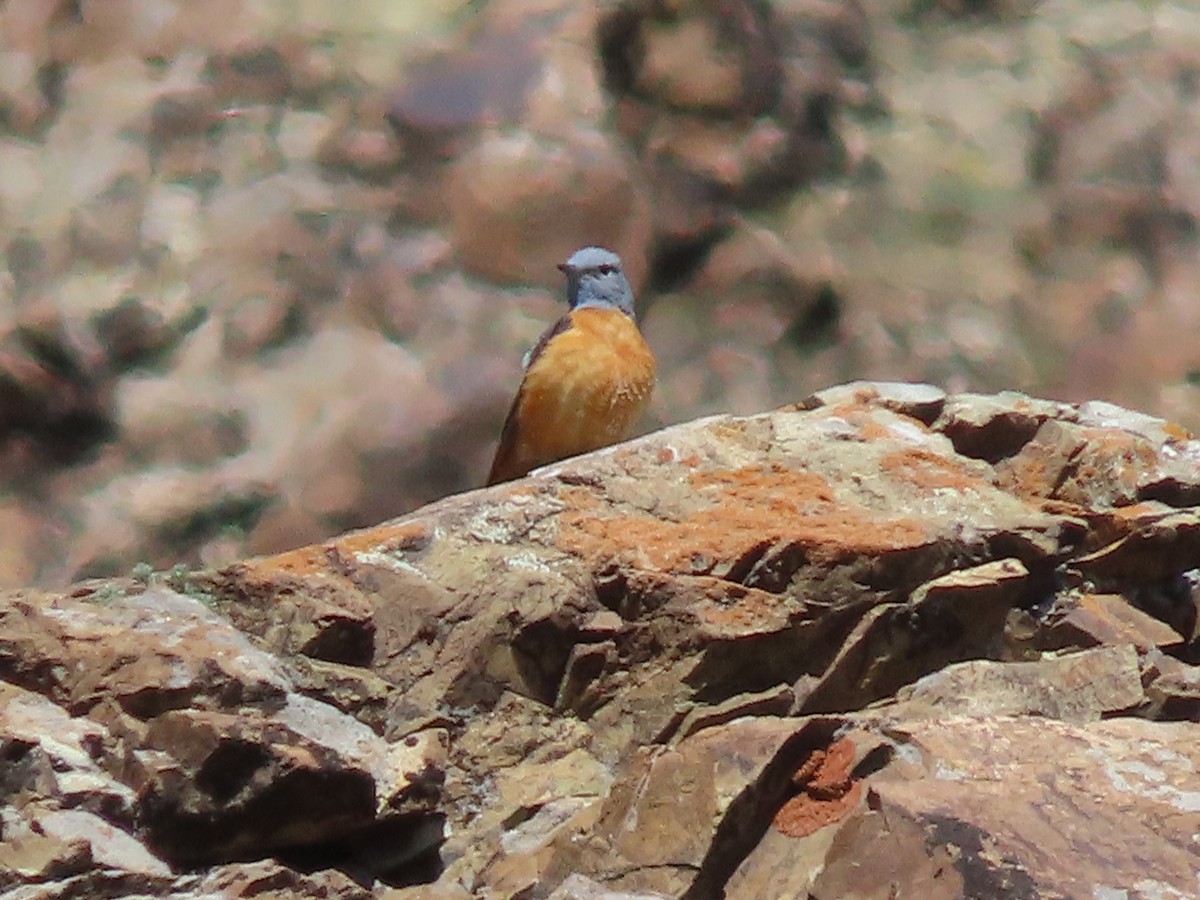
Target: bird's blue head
pixel 595 280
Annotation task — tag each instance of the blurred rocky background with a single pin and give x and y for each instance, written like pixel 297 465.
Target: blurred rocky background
pixel 268 268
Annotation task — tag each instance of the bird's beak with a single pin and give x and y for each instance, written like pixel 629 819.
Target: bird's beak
pixel 564 268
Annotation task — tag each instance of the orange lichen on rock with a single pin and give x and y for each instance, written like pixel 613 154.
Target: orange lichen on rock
pixel 321 559
pixel 930 471
pixel 384 539
pixel 765 484
pixel 744 508
pixel 1032 476
pixel 311 560
pixel 828 791
pixel 1109 446
pixel 748 609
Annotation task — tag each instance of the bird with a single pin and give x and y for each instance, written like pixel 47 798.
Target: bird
pixel 588 378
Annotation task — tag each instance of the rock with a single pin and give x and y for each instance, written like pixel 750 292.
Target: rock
pixel 996 807
pixel 670 72
pixel 954 617
pixel 520 204
pixel 29 856
pixel 994 428
pixel 270 878
pixel 64 756
pixel 165 422
pixel 1089 620
pixel 636 846
pixel 136 334
pixel 53 393
pixel 105 230
pixel 367 154
pixel 923 402
pixel 221 740
pixel 776 702
pixel 722 94
pixel 579 887
pixel 744 656
pixel 1177 480
pixel 266 270
pixel 182 115
pixel 1078 687
pixel 1164 549
pixel 1173 690
pixel 25 543
pixel 488 81
pixel 225 668
pixel 109 847
pixel 209 782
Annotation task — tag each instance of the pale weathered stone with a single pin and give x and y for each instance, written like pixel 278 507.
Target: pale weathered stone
pixel 1077 687
pixel 921 401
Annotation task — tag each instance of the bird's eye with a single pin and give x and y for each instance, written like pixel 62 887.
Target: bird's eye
pixel 606 269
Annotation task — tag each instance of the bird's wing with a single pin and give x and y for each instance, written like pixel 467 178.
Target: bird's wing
pixel 563 324
pixel 502 463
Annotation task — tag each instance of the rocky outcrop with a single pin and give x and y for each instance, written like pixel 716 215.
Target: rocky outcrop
pixel 882 643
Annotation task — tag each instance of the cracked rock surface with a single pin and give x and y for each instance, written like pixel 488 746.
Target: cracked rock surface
pixel 884 642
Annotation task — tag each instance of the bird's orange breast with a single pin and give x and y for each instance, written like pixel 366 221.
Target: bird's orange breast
pixel 585 390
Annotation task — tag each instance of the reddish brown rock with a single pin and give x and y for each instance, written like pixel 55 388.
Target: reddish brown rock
pixel 1091 619
pixel 1173 689
pixel 1164 549
pixel 828 791
pixel 721 93
pixel 995 807
pixel 270 879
